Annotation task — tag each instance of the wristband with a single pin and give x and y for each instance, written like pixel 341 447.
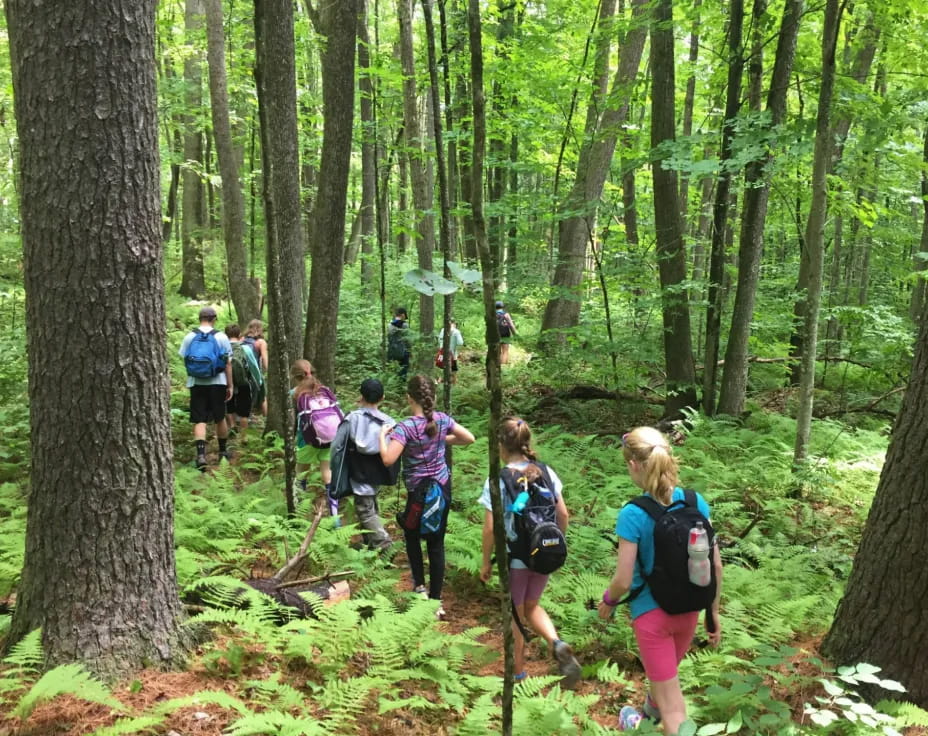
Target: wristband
pixel 607 600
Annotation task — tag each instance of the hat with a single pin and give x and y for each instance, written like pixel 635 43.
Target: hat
pixel 207 314
pixel 499 305
pixel 371 390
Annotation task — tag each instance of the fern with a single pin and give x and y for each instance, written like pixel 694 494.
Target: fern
pixel 27 655
pixel 275 722
pixel 70 679
pixel 140 724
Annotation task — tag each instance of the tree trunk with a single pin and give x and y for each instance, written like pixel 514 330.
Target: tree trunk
pixel 689 101
pixel 98 574
pixel 494 385
pixel 580 206
pixel 715 292
pixel 917 308
pixel 339 23
pixel 753 218
pixel 244 293
pixel 368 149
pixel 193 224
pixel 275 77
pixel 880 619
pixel 814 251
pixel 421 191
pixel 668 226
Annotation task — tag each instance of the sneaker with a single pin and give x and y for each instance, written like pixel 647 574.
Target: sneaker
pixel 421 591
pixel 201 462
pixel 651 710
pixel 225 455
pixel 629 718
pixel 567 664
pixel 440 613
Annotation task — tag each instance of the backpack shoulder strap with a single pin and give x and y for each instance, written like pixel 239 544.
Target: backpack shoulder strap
pixel 689 498
pixel 647 504
pixel 508 477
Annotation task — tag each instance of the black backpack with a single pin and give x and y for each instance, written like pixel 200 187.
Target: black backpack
pixel 502 324
pixel 669 580
pixel 540 543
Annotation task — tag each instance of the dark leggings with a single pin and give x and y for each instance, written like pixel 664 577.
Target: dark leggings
pixel 435 545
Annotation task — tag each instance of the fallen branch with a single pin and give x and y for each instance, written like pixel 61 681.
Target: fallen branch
pixel 298 558
pixel 318 579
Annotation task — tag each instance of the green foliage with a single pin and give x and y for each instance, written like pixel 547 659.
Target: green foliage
pixel 70 679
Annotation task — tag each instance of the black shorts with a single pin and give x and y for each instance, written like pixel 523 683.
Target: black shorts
pixel 241 402
pixel 207 404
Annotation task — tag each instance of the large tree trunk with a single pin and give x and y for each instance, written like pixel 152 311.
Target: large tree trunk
pixel 881 618
pixel 244 294
pixel 339 23
pixel 917 308
pixel 715 291
pixel 580 206
pixel 275 75
pixel 193 193
pixel 689 102
pixel 99 573
pixel 368 149
pixel 814 252
pixel 421 191
pixel 753 218
pixel 668 225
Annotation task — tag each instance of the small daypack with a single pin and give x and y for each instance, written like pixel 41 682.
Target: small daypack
pixel 669 579
pixel 434 505
pixel 539 543
pixel 396 345
pixel 204 357
pixel 318 417
pixel 245 368
pixel 502 324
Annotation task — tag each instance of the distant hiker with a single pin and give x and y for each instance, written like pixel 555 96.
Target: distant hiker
pixel 206 353
pixel 247 381
pixel 663 635
pixel 523 472
pixel 455 343
pixel 357 468
pixel 317 419
pixel 254 337
pixel 398 341
pixel 507 328
pixel 420 440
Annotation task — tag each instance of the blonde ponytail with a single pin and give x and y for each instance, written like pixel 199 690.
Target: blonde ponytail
pixel 651 451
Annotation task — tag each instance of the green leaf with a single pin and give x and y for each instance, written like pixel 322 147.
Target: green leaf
pixel 428 283
pixel 832 688
pixel 892 685
pixel 710 729
pixel 72 679
pixel 467 275
pixel 734 725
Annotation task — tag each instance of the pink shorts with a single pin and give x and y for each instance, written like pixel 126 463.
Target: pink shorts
pixel 663 640
pixel 525 585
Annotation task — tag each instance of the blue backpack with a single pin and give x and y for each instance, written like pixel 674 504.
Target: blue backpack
pixel 204 357
pixel 433 509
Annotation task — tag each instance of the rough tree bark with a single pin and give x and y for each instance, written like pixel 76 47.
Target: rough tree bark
pixel 880 619
pixel 814 252
pixel 244 294
pixel 754 215
pixel 917 308
pixel 193 193
pixel 668 225
pixel 275 76
pixel 580 206
pixel 99 564
pixel 368 148
pixel 338 22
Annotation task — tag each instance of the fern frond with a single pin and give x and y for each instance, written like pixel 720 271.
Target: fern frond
pixel 27 655
pixel 905 713
pixel 203 697
pixel 141 724
pixel 71 679
pixel 277 723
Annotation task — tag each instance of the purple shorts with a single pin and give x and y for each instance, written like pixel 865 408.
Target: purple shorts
pixel 663 640
pixel 525 585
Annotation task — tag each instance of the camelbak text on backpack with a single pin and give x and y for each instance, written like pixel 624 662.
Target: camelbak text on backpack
pixel 539 543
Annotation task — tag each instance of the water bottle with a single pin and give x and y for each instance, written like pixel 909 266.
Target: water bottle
pixel 518 506
pixel 698 565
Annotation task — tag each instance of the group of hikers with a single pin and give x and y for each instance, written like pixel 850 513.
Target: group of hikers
pixel 668 567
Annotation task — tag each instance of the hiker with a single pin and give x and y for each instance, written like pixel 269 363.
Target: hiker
pixel 507 328
pixel 525 585
pixel 254 338
pixel 398 341
pixel 455 342
pixel 357 467
pixel 206 354
pixel 663 638
pixel 247 382
pixel 317 417
pixel 420 439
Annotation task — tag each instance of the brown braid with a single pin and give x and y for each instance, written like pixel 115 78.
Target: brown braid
pixel 303 380
pixel 516 438
pixel 422 390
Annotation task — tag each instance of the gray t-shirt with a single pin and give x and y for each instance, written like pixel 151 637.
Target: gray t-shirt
pixel 224 345
pixel 366 424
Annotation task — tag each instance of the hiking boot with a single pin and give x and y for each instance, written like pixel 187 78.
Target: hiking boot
pixel 201 463
pixel 651 710
pixel 567 664
pixel 629 718
pixel 421 591
pixel 225 455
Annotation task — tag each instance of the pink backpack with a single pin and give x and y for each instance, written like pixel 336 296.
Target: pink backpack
pixel 318 417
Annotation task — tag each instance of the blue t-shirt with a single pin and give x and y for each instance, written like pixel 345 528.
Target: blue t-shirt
pixel 634 525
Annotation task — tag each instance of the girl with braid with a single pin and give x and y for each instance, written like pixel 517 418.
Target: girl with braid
pixel 526 586
pixel 420 440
